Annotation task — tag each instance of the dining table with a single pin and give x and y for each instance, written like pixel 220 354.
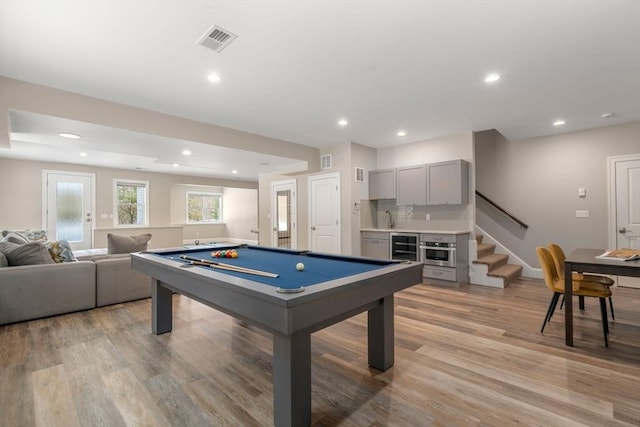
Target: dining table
pixel 585 260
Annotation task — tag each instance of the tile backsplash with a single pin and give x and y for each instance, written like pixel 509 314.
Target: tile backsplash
pixel 414 217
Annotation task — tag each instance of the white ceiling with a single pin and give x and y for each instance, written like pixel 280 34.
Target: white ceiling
pixel 297 67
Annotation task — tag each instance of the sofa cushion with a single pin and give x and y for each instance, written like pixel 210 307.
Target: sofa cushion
pixel 60 251
pixel 27 254
pixel 4 262
pixel 117 244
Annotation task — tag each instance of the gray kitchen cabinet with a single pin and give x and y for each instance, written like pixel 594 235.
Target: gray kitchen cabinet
pixel 411 187
pixel 382 184
pixel 375 244
pixel 448 183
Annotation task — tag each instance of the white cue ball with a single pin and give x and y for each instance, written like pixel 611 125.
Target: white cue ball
pixel 299 266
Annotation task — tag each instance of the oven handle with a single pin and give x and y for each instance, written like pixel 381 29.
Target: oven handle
pixel 438 248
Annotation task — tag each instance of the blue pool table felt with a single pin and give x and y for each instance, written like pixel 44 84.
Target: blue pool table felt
pixel 317 268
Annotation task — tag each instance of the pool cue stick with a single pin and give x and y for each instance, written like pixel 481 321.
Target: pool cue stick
pixel 229 267
pixel 237 269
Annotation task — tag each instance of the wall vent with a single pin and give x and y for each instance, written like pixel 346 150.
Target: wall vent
pixel 325 161
pixel 216 39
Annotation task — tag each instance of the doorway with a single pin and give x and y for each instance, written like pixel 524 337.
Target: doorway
pixel 624 206
pixel 284 214
pixel 324 213
pixel 68 207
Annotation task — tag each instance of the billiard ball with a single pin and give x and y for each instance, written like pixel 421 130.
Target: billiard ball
pixel 299 266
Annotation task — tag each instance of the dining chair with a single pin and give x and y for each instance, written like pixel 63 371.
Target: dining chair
pixel 558 259
pixel 579 288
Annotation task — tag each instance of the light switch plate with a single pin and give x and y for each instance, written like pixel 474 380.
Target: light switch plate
pixel 582 214
pixel 582 192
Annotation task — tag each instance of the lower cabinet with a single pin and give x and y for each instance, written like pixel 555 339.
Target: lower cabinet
pixel 441 273
pixel 375 244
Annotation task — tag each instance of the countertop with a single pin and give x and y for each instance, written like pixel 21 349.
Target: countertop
pixel 402 230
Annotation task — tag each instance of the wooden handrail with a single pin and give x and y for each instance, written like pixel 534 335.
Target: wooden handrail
pixel 501 210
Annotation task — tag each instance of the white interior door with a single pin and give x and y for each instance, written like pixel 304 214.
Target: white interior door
pixel 625 172
pixel 68 212
pixel 324 213
pixel 284 214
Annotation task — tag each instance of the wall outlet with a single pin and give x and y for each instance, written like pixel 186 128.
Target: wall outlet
pixel 427 217
pixel 582 214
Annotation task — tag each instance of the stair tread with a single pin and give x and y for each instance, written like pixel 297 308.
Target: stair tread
pixel 492 259
pixel 483 246
pixel 506 269
pixel 484 249
pixel 508 272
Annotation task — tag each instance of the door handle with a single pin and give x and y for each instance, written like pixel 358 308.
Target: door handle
pixel 313 228
pixel 622 230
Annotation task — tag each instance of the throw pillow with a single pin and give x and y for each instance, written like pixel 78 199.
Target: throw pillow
pixel 126 244
pixel 29 235
pixel 60 251
pixel 4 262
pixel 14 237
pixel 27 254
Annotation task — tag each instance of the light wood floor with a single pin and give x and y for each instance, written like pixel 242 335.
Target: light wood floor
pixel 464 357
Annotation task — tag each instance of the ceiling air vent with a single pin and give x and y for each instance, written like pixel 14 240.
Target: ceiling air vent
pixel 216 38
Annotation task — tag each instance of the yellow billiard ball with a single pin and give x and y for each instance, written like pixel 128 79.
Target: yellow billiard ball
pixel 299 266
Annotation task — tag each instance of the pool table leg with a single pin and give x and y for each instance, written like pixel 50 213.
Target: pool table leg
pixel 161 317
pixel 380 334
pixel 292 379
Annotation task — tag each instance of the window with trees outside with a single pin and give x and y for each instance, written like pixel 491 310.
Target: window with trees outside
pixel 131 202
pixel 204 208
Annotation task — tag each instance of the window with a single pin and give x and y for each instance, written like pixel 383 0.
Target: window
pixel 204 208
pixel 131 202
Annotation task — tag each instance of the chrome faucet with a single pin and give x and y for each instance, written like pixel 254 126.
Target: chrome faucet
pixel 389 218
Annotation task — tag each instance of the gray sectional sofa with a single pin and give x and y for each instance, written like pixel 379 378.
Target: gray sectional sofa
pixel 34 291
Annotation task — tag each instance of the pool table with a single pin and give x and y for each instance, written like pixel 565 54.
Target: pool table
pixel 291 306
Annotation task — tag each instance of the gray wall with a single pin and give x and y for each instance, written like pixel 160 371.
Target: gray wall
pixel 537 180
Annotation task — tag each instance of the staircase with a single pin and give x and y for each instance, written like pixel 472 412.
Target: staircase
pixel 499 272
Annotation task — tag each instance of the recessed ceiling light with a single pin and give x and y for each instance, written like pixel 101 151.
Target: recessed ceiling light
pixel 493 77
pixel 214 77
pixel 175 165
pixel 234 171
pixel 343 122
pixel 607 115
pixel 83 154
pixel 69 135
pixel 401 133
pixel 186 152
pixel 559 122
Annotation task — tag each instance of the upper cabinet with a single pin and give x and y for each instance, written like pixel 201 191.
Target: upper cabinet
pixel 443 183
pixel 411 188
pixel 382 184
pixel 447 183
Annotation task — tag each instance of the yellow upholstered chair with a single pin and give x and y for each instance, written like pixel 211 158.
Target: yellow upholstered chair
pixel 558 259
pixel 579 288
